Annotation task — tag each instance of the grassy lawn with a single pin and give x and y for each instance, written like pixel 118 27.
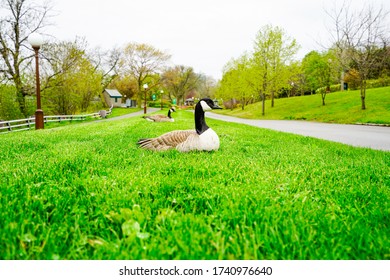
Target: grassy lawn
pixel 87 192
pixel 341 107
pixel 122 111
pixel 114 113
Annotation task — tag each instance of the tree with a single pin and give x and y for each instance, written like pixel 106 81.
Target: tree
pixel 126 85
pixel 180 81
pixel 20 19
pixel 206 86
pixel 141 61
pixel 320 70
pixel 70 79
pixel 358 37
pixel 237 79
pixel 107 63
pixel 225 89
pixel 273 51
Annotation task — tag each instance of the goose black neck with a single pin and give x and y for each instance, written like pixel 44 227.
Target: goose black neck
pixel 169 114
pixel 200 123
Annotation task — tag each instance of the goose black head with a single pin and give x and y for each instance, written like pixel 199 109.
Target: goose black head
pixel 208 104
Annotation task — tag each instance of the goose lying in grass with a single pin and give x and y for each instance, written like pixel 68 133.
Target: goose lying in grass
pixel 161 118
pixel 202 138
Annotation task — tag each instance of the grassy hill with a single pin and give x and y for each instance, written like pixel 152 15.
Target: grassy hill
pixel 87 191
pixel 341 107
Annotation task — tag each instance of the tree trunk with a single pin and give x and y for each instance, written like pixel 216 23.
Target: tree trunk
pixel 21 102
pixel 272 98
pixel 363 94
pixel 262 104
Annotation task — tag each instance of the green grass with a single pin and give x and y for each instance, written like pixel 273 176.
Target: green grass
pixel 122 111
pixel 341 107
pixel 114 113
pixel 87 192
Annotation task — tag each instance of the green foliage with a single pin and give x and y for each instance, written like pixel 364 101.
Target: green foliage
pixel 157 104
pixel 76 84
pixel 265 71
pixel 9 107
pixel 90 193
pixel 320 70
pixel 332 88
pixel 237 81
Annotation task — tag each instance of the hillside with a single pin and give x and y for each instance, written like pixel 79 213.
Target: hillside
pixel 341 107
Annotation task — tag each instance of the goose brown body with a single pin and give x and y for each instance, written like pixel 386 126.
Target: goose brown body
pixel 202 138
pixel 161 118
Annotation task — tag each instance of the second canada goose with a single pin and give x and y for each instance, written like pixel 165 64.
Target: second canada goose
pixel 203 138
pixel 161 118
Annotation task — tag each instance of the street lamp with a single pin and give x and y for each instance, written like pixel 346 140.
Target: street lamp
pixel 161 91
pixel 145 88
pixel 36 42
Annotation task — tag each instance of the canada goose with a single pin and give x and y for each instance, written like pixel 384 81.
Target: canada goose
pixel 202 138
pixel 161 118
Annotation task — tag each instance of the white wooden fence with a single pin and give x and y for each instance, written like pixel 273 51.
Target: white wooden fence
pixel 26 124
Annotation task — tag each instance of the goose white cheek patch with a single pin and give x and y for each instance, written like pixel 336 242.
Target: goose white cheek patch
pixel 205 107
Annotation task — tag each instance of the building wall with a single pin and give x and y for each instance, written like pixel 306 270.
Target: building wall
pixel 111 101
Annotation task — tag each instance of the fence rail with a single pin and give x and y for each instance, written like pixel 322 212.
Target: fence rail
pixel 28 123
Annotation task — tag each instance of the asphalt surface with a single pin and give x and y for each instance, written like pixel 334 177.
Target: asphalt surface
pixel 138 113
pixel 368 136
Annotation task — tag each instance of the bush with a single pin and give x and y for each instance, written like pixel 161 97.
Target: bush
pixel 380 82
pixel 333 88
pixel 157 104
pixel 9 107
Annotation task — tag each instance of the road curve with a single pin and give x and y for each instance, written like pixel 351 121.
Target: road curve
pixel 374 137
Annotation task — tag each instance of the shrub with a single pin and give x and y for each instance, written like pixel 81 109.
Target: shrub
pixel 9 108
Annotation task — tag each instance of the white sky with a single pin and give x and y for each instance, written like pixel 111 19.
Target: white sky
pixel 203 34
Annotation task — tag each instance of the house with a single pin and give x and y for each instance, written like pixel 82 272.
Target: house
pixel 112 97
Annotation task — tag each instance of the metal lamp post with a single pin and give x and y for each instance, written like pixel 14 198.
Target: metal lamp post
pixel 161 91
pixel 145 88
pixel 36 42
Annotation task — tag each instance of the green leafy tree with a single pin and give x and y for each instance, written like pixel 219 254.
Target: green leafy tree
pixel 71 81
pixel 225 89
pixel 273 51
pixel 320 70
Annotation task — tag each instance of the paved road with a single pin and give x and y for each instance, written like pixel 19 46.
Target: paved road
pixel 374 137
pixel 138 113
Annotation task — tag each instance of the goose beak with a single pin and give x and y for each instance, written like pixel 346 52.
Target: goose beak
pixel 216 107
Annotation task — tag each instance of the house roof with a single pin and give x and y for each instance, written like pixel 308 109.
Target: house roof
pixel 113 93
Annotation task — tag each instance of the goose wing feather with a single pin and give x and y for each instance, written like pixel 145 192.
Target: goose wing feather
pixel 167 141
pixel 156 117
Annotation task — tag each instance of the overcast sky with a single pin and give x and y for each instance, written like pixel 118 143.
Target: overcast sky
pixel 203 34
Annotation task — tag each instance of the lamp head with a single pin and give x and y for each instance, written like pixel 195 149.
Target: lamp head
pixel 35 40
